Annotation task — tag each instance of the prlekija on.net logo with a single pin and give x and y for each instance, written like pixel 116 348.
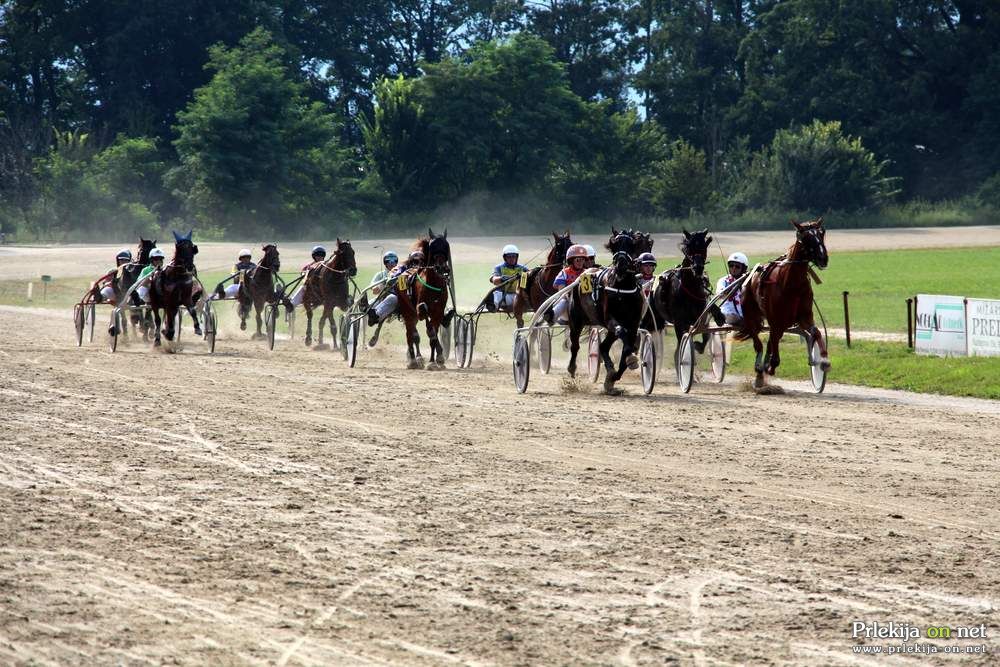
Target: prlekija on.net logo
pixel 897 638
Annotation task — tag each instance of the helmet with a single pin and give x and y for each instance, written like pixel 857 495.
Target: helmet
pixel 590 251
pixel 647 258
pixel 575 251
pixel 390 256
pixel 417 256
pixel 243 253
pixel 739 258
pixel 510 249
pixel 319 250
pixel 156 252
pixel 124 253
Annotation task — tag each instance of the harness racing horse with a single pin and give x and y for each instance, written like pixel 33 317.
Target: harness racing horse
pixel 426 298
pixel 780 292
pixel 328 285
pixel 174 286
pixel 257 287
pixel 539 282
pixel 126 277
pixel 609 298
pixel 682 293
pixel 642 242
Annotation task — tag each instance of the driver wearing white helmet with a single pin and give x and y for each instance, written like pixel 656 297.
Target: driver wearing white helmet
pixel 505 275
pixel 591 257
pixel 732 308
pixel 156 258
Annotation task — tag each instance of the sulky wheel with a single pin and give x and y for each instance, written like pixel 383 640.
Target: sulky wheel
pixel 210 328
pixel 270 323
pixel 351 341
pixel 290 323
pixel 92 314
pixel 647 362
pixel 522 363
pixel 685 363
pixel 717 352
pixel 816 371
pixel 544 338
pixel 115 329
pixel 79 317
pixel 444 339
pixel 461 341
pixel 594 354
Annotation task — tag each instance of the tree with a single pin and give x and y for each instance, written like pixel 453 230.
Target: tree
pixel 255 154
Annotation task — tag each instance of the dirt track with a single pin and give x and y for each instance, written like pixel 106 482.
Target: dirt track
pixel 279 508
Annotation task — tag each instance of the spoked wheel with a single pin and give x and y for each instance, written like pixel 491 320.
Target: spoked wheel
pixel 470 340
pixel 210 328
pixel 92 313
pixel 658 348
pixel 115 329
pixel 351 342
pixel 544 337
pixel 816 371
pixel 522 362
pixel 270 323
pixel 79 317
pixel 647 362
pixel 594 354
pixel 290 322
pixel 342 321
pixel 461 341
pixel 717 351
pixel 685 363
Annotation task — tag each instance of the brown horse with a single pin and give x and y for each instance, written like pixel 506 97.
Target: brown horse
pixel 539 282
pixel 426 298
pixel 175 286
pixel 125 278
pixel 780 292
pixel 257 287
pixel 329 285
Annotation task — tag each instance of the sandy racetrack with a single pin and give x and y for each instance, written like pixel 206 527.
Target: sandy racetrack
pixel 280 508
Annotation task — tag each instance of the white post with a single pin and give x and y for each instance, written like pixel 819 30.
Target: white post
pixel 30 287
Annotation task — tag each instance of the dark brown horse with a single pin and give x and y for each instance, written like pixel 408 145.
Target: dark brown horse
pixel 328 285
pixel 426 298
pixel 175 286
pixel 539 281
pixel 614 301
pixel 257 287
pixel 780 293
pixel 681 293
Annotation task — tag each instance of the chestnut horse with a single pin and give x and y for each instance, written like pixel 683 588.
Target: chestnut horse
pixel 615 302
pixel 329 285
pixel 780 292
pixel 426 298
pixel 540 279
pixel 257 287
pixel 174 286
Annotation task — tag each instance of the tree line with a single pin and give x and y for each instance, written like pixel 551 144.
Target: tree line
pixel 292 117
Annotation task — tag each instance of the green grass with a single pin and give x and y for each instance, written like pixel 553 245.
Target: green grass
pixel 885 365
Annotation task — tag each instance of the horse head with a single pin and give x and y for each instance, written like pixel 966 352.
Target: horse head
pixel 272 258
pixel 694 247
pixel 622 247
pixel 142 254
pixel 344 258
pixel 438 251
pixel 561 243
pixel 810 242
pixel 643 242
pixel 184 251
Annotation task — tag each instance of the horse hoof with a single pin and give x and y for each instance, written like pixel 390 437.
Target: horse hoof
pixel 758 380
pixel 243 326
pixel 309 342
pixel 414 365
pixel 611 390
pixel 632 361
pixel 824 364
pixel 197 330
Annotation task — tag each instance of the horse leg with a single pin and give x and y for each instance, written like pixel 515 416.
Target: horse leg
pixel 192 311
pixel 412 342
pixel 244 312
pixel 333 328
pixel 260 321
pixel 437 351
pixel 309 324
pixel 758 364
pixel 169 314
pixel 574 347
pixel 519 309
pixel 156 327
pixel 773 356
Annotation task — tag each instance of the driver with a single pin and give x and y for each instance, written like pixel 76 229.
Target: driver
pixel 505 276
pixel 576 260
pixel 318 255
pixel 732 308
pixel 243 263
pixel 103 290
pixel 387 306
pixel 156 257
pixel 647 267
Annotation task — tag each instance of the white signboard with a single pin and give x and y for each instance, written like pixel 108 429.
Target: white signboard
pixel 983 322
pixel 940 325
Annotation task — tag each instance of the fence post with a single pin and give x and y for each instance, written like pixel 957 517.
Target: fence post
pixel 909 323
pixel 30 289
pixel 847 320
